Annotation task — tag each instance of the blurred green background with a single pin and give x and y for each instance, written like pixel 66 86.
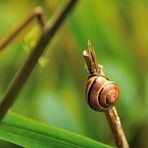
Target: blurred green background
pixel 54 93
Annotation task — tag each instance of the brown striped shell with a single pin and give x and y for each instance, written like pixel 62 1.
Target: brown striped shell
pixel 101 94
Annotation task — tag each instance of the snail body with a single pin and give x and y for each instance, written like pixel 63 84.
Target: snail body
pixel 101 94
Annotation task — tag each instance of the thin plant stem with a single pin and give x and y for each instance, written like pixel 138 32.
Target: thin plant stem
pixel 111 114
pixel 116 127
pixel 24 72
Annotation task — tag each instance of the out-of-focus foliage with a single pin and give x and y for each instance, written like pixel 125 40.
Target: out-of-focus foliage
pixel 54 92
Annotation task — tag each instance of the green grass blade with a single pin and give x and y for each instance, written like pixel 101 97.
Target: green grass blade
pixel 29 133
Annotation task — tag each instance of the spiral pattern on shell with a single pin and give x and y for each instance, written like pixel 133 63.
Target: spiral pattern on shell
pixel 101 94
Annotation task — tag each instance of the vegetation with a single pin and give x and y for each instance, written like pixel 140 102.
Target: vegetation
pixel 54 93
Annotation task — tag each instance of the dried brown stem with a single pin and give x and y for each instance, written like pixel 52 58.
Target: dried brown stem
pixel 116 127
pixel 111 114
pixel 91 61
pixel 22 75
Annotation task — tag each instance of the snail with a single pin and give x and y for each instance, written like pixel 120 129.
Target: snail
pixel 101 94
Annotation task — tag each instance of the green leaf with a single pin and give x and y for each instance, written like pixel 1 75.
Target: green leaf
pixel 28 133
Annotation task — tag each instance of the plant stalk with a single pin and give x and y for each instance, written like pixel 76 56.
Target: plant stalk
pixel 24 72
pixel 111 114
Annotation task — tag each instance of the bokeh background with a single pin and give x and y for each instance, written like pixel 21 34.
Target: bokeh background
pixel 54 93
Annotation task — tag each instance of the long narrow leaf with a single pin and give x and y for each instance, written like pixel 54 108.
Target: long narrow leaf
pixel 28 133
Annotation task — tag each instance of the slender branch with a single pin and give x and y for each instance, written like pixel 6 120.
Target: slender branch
pixel 116 127
pixel 111 114
pixel 91 61
pixel 22 75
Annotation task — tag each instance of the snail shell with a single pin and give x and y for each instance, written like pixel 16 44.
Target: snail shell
pixel 101 94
